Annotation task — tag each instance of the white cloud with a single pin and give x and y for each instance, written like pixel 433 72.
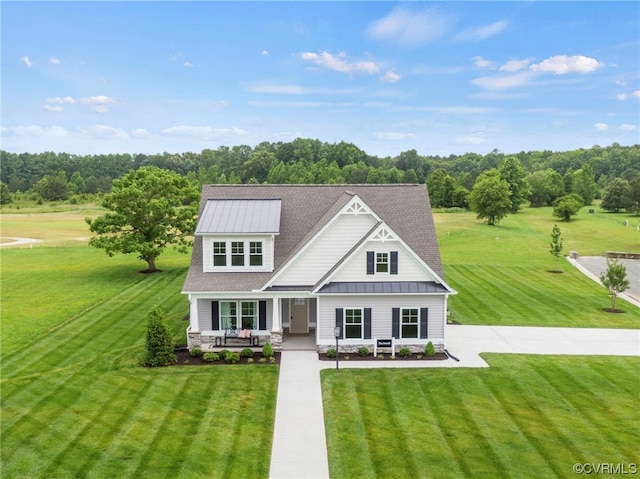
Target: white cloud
pixel 54 108
pixel 392 136
pixel 482 63
pixel 35 131
pixel 502 82
pixel 103 132
pixel 203 132
pixel 601 126
pixel 340 63
pixel 276 89
pixel 622 96
pixel 54 61
pixel 628 127
pixel 482 33
pixel 265 52
pixel 188 64
pixel 140 133
pixel 410 27
pixel 636 94
pixel 390 77
pixel 476 138
pixel 26 61
pixel 514 65
pixel 563 64
pixel 99 104
pixel 59 100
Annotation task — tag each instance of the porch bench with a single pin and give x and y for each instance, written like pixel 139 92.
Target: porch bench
pixel 243 334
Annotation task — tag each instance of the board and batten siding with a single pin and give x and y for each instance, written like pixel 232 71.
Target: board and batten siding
pixel 327 250
pixel 355 269
pixel 381 310
pixel 205 316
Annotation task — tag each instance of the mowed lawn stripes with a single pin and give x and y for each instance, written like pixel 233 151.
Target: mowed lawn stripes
pixel 526 416
pixel 76 403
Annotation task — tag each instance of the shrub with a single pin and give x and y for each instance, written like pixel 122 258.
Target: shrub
pixel 429 350
pixel 380 356
pixel 262 360
pixel 232 358
pixel 404 352
pixel 211 357
pixel 363 351
pixel 249 360
pixel 331 353
pixel 418 356
pixel 223 354
pixel 267 350
pixel 159 347
pixel 195 352
pixel 246 353
pixel 272 360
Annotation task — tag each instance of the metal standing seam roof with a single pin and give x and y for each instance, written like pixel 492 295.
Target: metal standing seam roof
pixel 224 216
pixel 384 287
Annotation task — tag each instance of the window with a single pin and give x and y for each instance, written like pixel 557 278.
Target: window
pixel 353 323
pixel 409 327
pixel 382 262
pixel 229 314
pixel 237 253
pixel 219 253
pixel 255 253
pixel 249 315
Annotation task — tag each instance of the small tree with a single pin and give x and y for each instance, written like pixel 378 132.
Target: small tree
pixel 567 206
pixel 556 246
pixel 490 197
pixel 159 345
pixel 615 280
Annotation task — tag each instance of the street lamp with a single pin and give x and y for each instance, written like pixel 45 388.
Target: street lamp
pixel 336 333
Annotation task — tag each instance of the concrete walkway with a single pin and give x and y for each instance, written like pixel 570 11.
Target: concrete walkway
pixel 299 448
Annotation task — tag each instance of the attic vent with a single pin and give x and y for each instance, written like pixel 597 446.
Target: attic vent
pixel 356 208
pixel 384 235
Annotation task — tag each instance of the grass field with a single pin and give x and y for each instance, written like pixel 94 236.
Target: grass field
pixel 502 274
pixel 76 403
pixel 526 416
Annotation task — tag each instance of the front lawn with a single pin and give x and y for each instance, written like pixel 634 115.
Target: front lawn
pixel 75 401
pixel 526 416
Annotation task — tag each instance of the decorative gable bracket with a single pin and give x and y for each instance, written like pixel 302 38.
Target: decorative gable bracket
pixel 383 235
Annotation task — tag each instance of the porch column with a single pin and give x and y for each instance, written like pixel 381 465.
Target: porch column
pixel 275 314
pixel 193 314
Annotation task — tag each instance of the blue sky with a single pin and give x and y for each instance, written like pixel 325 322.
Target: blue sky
pixel 441 78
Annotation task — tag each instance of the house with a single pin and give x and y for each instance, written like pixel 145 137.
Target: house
pixel 283 260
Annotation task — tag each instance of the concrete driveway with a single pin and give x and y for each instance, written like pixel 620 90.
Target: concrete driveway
pixel 467 342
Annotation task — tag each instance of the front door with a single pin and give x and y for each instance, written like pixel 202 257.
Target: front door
pixel 299 316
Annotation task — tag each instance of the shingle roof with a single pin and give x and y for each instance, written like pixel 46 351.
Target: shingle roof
pixel 240 216
pixel 305 209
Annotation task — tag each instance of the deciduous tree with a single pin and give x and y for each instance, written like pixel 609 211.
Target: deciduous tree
pixel 567 206
pixel 150 209
pixel 556 246
pixel 513 173
pixel 490 197
pixel 615 280
pixel 616 195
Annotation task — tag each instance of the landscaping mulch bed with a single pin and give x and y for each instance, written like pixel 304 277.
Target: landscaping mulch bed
pixel 386 357
pixel 185 359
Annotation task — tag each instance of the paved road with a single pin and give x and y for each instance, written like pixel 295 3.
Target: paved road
pixel 593 266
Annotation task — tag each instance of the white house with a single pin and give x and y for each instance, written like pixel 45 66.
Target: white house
pixel 280 260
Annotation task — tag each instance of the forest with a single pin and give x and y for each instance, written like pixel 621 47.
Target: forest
pixel 537 177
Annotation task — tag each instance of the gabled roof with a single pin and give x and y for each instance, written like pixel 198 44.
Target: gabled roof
pixel 305 210
pixel 223 216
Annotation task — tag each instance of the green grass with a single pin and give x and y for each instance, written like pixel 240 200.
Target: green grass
pixel 76 403
pixel 502 274
pixel 526 416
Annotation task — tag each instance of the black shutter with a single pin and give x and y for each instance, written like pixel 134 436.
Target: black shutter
pixel 262 315
pixel 215 315
pixel 367 323
pixel 339 317
pixel 394 262
pixel 371 262
pixel 395 322
pixel 424 315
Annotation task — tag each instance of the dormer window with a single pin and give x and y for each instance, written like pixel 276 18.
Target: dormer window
pixel 255 253
pixel 237 253
pixel 219 253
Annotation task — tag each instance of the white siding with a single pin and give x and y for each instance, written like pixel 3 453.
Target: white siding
pixel 327 250
pixel 205 315
pixel 409 269
pixel 381 313
pixel 207 252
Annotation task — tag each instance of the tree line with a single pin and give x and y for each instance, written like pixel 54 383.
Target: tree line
pixel 537 177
